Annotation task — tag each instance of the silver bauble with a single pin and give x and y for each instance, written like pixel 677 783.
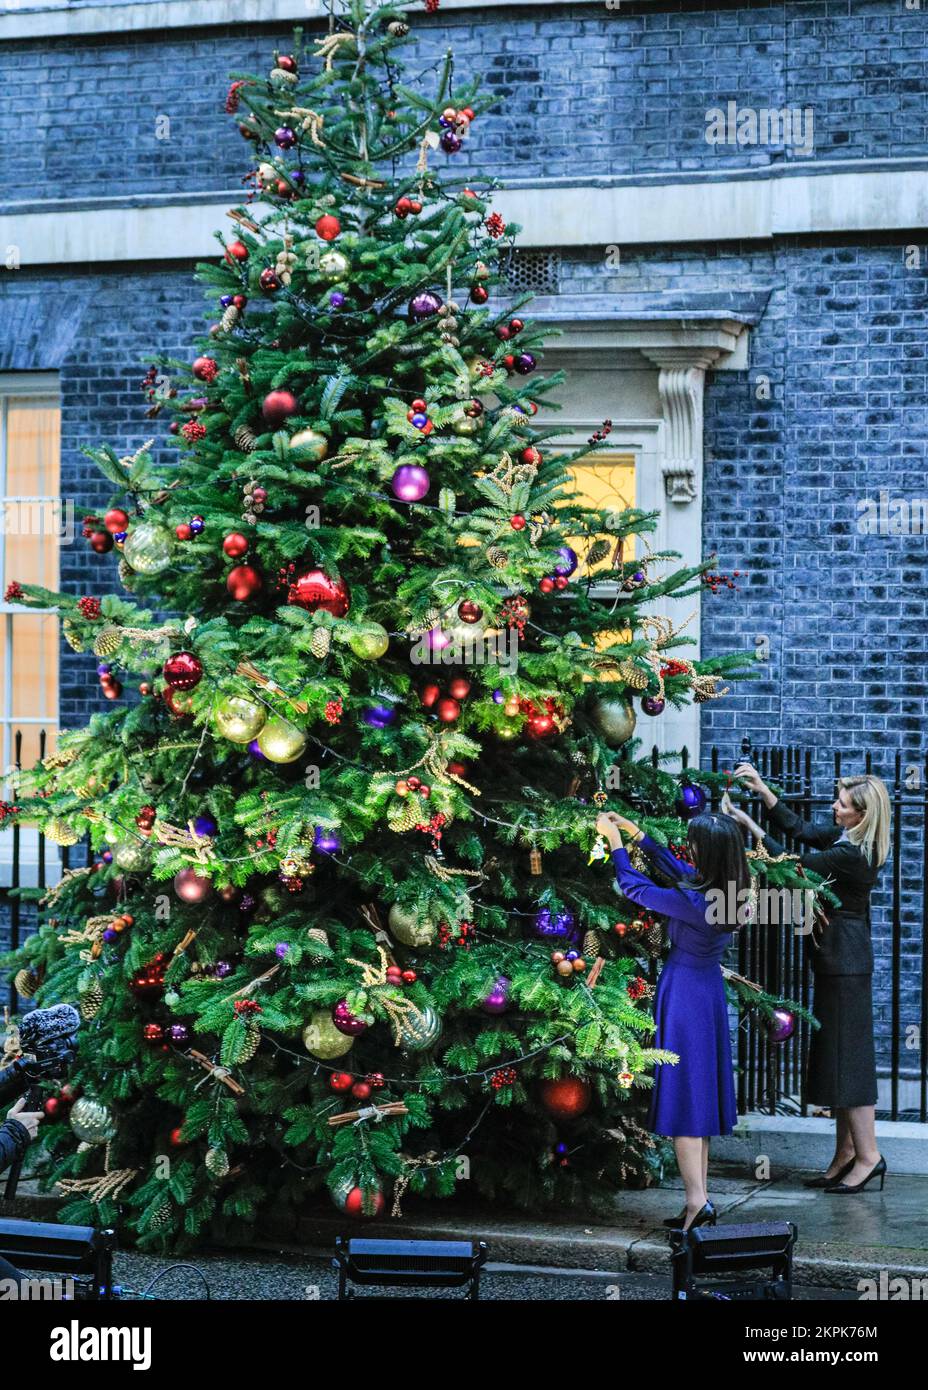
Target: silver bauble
pixel 91 1121
pixel 615 720
pixel 419 1031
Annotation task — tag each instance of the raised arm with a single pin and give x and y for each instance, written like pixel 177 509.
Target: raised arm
pixel 664 859
pixel 806 832
pixel 638 888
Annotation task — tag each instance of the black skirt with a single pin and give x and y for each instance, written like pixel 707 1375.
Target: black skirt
pixel 842 1057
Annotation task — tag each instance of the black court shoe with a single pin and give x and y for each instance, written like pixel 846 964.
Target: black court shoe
pixel 849 1188
pixel 823 1181
pixel 706 1216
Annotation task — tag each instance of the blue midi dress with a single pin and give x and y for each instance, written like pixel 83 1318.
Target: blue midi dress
pixel 695 1097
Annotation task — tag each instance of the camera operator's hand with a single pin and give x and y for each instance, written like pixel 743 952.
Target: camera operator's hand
pixel 29 1119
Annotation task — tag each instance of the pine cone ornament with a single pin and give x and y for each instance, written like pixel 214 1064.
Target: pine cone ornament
pixel 71 636
pixel 217 1162
pixel 497 557
pixel 90 1000
pixel 60 832
pixel 229 319
pixel 245 439
pixel 591 945
pixel 26 982
pixel 126 574
pixel 317 934
pixel 654 939
pixel 107 642
pixel 250 1045
pixel 598 552
pixel 402 815
pixel 161 1218
pixel 321 642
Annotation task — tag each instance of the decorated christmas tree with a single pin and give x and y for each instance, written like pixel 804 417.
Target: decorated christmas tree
pixel 341 923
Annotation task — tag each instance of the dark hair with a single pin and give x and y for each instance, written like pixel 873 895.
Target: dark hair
pixel 719 858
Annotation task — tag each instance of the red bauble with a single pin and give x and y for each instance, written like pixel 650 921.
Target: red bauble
pixel 315 589
pixel 354 1203
pixel 459 688
pixel 183 531
pixel 341 1081
pixel 479 294
pixel 469 612
pixel 517 522
pixel 277 406
pixel 182 671
pixel 328 227
pixel 531 455
pixel 268 280
pixel 567 1098
pixel 546 585
pixel 287 62
pixel 235 545
pixel 430 694
pixel 361 1090
pixel 243 582
pixel 116 520
pixel 52 1106
pixel 101 541
pixel 177 1137
pixel 205 369
pixel 192 887
pixel 236 251
pixel 179 707
pixel 153 1033
pixel 540 726
pixel 448 711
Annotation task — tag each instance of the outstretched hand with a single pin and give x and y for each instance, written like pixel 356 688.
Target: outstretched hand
pixel 607 827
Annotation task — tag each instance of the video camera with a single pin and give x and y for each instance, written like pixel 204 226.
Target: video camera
pixel 48 1039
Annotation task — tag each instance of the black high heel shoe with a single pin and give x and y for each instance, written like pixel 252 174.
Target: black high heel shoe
pixel 823 1181
pixel 706 1216
pixel 848 1188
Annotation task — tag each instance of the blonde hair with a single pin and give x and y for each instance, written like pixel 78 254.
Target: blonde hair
pixel 871 833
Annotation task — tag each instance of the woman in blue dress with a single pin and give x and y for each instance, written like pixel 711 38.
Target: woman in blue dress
pixel 694 1098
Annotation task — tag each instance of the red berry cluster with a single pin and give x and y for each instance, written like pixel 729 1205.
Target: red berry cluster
pixel 246 1008
pixel 404 206
pixel 334 709
pixel 680 852
pixel 90 607
pixel 14 591
pixel 269 842
pixel 149 382
pixel 495 225
pixel 505 1076
pixel 7 809
pixel 397 976
pixel 434 827
pixel 233 96
pixel 598 435
pixel 192 431
pixel 466 931
pixel 714 582
pixel 673 668
pixel 637 987
pixel 515 612
pixel 145 820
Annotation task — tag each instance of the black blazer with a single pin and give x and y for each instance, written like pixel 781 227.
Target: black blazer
pixel 843 947
pixel 14 1139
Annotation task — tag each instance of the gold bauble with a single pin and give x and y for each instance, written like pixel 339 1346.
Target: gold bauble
pixel 91 1121
pixel 419 1031
pixel 465 424
pixel 409 927
pixel 149 548
pixel 370 641
pixel 309 446
pixel 280 741
pixel 322 1038
pixel 133 856
pixel 615 720
pixel 334 265
pixel 239 720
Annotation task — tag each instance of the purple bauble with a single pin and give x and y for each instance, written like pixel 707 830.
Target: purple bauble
pixel 652 704
pixel 336 299
pixel 222 968
pixel 423 304
pixel 379 716
pixel 281 949
pixel 326 841
pixel 526 362
pixel 781 1026
pixel 107 856
pixel 255 750
pixel 103 669
pixel 561 925
pixel 567 562
pixel 205 825
pixel 225 300
pixel 178 1032
pixel 410 483
pixel 497 1001
pixel 498 697
pixel 691 801
pixel 284 137
pixel 345 1021
pixel 110 935
pixel 450 142
pixel 420 420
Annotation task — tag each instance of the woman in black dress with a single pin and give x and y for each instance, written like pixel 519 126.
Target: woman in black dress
pixel 842 1058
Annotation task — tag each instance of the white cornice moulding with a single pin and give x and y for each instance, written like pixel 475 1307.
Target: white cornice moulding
pixel 748 209
pixel 25 21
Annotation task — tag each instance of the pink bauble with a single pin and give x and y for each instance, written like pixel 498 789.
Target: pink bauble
pixel 192 887
pixel 316 589
pixel 345 1021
